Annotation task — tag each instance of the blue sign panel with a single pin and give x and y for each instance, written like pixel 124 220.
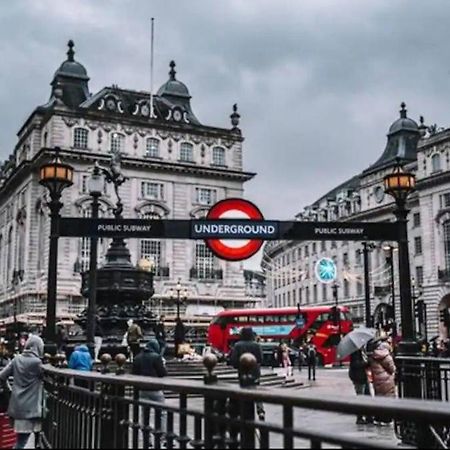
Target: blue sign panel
pixel 300 322
pixel 326 270
pixel 266 330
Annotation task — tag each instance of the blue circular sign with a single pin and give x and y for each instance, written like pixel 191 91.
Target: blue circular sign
pixel 326 270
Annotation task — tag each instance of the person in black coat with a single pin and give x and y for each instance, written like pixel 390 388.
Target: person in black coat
pixel 160 335
pixel 311 360
pixel 357 373
pixel 247 344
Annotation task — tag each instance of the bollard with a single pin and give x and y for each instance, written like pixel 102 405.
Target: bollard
pixel 210 362
pixel 105 360
pixel 120 359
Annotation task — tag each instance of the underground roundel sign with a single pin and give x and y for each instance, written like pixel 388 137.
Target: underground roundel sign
pixel 326 270
pixel 234 208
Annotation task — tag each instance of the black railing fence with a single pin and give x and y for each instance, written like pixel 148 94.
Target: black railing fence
pixel 105 410
pixel 430 378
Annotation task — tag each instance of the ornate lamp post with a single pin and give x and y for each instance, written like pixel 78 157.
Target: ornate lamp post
pixel 179 327
pixel 389 254
pixel 367 247
pixel 96 184
pixel 55 176
pixel 399 184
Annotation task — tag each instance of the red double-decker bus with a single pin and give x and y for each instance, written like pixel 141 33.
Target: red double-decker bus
pixel 323 325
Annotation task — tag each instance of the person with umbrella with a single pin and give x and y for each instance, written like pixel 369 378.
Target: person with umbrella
pixel 357 372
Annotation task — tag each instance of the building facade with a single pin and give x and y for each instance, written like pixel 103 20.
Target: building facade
pixel 176 168
pixel 290 266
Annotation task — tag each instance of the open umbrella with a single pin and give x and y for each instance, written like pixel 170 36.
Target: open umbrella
pixel 354 341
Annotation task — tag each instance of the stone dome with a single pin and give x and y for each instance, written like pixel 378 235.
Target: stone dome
pixel 173 86
pixel 404 123
pixel 70 67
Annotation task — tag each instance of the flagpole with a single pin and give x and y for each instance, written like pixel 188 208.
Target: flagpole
pixel 151 68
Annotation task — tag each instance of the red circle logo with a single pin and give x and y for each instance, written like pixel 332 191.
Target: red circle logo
pixel 229 209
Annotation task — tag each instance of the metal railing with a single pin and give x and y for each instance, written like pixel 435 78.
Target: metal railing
pixel 430 379
pixel 103 410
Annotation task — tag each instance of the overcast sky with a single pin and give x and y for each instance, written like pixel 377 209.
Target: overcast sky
pixel 318 82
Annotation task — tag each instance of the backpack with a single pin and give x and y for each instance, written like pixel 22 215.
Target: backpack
pixel 312 353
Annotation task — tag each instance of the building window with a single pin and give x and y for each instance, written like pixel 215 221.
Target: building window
pixel 307 294
pixel 346 289
pixel 314 248
pixel 416 219
pixel 154 191
pixel 419 275
pixel 418 245
pixel 204 261
pixel 345 259
pixel 151 250
pixel 152 148
pixel 80 138
pixel 218 156
pixel 436 162
pixel 357 257
pixel 359 288
pixel 300 295
pixel 41 240
pixel 306 251
pixel 205 196
pixel 446 227
pixel 315 293
pixel 323 246
pixel 324 292
pixel 117 143
pixel 445 200
pixel 9 257
pixel 333 244
pixel 186 152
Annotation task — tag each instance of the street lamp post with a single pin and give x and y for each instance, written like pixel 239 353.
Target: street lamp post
pixel 95 185
pixel 336 306
pixel 55 176
pixel 399 185
pixel 367 247
pixel 389 253
pixel 179 324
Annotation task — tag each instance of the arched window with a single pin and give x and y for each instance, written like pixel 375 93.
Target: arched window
pixel 186 152
pixel 218 156
pixel 80 138
pixel 446 227
pixel 436 162
pixel 20 247
pixel 117 143
pixel 152 148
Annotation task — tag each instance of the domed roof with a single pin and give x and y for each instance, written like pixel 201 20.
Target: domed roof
pixel 404 123
pixel 70 67
pixel 173 86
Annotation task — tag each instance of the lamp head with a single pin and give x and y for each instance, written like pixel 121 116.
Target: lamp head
pixel 55 175
pixel 96 182
pixel 399 184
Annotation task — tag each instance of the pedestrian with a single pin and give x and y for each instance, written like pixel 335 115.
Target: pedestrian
pixel 98 338
pixel 61 338
pixel 301 357
pixel 247 344
pixel 311 360
pixel 81 359
pixel 179 336
pixel 149 363
pixel 134 336
pixel 357 372
pixel 286 361
pixel 382 366
pixel 25 405
pixel 160 335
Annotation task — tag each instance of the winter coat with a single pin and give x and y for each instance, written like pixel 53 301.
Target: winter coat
pixel 357 370
pixel 149 362
pixel 160 332
pixel 81 359
pixel 134 334
pixel 247 345
pixel 383 371
pixel 311 355
pixel 26 370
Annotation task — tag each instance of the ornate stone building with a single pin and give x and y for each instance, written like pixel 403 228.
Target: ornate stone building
pixel 290 266
pixel 177 168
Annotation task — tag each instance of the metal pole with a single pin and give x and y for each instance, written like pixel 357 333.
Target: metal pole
pixel 367 284
pixel 394 324
pixel 92 304
pixel 55 206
